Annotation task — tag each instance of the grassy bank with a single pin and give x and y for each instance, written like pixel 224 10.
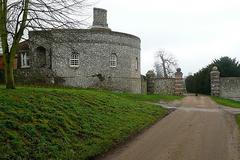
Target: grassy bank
pixel 227 102
pixel 45 123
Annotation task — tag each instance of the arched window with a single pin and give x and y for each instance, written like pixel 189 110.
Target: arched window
pixel 136 64
pixel 74 60
pixel 113 60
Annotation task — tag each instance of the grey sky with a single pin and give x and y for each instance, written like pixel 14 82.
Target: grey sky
pixel 195 31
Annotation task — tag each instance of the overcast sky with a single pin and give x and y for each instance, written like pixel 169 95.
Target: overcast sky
pixel 194 31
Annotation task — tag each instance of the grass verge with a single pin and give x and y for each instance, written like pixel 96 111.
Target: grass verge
pixel 47 123
pixel 227 102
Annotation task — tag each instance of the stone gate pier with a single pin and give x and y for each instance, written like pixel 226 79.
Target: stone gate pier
pixel 215 81
pixel 179 82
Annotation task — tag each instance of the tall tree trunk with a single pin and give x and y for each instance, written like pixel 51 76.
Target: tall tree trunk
pixel 164 67
pixel 9 78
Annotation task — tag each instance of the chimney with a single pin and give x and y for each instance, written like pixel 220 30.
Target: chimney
pixel 100 18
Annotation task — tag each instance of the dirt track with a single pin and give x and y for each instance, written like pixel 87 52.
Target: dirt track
pixel 198 130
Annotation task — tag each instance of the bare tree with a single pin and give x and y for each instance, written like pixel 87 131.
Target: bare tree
pixel 158 69
pixel 20 16
pixel 165 64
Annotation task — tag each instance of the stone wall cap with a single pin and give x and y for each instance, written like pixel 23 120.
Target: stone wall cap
pixel 231 78
pixel 179 69
pixel 165 78
pixel 215 68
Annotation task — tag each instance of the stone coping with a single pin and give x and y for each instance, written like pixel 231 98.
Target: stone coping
pixel 230 78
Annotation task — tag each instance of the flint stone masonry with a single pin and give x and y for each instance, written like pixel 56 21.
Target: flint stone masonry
pixel 165 85
pixel 94 47
pixel 150 82
pixel 226 87
pixel 230 87
pixel 143 84
pixel 215 81
pixel 179 82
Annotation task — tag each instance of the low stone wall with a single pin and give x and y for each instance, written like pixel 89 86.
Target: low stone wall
pixel 132 85
pixel 230 87
pixel 47 77
pixel 40 77
pixel 165 85
pixel 226 87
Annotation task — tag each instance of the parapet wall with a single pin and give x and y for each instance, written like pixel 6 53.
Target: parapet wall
pixel 92 36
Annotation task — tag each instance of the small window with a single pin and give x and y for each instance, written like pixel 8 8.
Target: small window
pixel 25 60
pixel 113 60
pixel 74 60
pixel 136 64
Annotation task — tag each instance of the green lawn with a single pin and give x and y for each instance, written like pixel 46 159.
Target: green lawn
pixel 47 123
